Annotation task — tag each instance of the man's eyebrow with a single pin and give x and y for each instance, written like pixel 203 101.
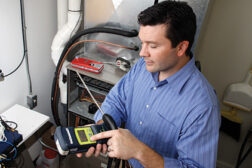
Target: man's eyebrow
pixel 152 42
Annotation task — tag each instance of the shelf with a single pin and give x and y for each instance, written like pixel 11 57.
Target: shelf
pixel 109 74
pixel 81 108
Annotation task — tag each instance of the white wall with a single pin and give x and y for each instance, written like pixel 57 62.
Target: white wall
pixel 41 28
pixel 41 25
pixel 225 53
pixel 14 88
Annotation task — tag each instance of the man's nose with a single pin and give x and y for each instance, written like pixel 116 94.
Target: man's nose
pixel 144 51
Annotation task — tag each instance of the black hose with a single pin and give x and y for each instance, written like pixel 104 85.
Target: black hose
pixel 117 163
pixel 109 122
pixel 54 90
pixel 110 161
pixel 111 125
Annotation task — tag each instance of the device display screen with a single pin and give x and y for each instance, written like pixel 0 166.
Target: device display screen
pixel 82 135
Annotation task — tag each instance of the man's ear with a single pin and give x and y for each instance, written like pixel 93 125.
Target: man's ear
pixel 182 47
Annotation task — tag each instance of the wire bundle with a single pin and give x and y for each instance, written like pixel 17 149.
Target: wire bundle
pixel 3 127
pixel 85 97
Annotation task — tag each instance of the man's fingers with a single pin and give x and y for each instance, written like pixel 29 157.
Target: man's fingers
pixel 104 148
pixel 112 154
pixel 79 155
pixel 90 152
pixel 99 147
pixel 102 135
pixel 109 142
pixel 98 150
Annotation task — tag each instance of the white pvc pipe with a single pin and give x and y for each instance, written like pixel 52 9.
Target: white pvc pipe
pixel 63 89
pixel 63 35
pixel 68 30
pixel 62 8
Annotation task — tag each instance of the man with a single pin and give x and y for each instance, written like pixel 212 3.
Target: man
pixel 170 111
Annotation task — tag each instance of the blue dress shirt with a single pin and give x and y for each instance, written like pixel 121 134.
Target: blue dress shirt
pixel 178 117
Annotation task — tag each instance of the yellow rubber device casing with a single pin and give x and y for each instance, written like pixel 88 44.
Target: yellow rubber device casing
pixel 88 132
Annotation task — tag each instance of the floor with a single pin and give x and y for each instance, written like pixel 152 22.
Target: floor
pixel 92 162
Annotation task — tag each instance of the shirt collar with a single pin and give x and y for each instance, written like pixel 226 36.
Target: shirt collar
pixel 178 80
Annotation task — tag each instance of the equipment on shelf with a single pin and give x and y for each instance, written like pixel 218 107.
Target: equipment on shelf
pixel 87 65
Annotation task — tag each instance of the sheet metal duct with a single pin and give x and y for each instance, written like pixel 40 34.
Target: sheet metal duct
pixel 126 11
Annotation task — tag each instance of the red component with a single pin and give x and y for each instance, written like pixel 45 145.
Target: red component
pixel 87 65
pixel 50 154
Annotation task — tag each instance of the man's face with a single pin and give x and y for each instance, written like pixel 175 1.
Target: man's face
pixel 157 49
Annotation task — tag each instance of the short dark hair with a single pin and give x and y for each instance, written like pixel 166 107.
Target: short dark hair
pixel 179 18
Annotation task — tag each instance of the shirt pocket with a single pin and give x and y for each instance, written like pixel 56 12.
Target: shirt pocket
pixel 167 136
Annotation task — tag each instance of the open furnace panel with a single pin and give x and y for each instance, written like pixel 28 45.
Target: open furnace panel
pixel 80 106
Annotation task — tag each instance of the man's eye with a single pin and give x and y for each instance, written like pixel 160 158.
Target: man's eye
pixel 153 46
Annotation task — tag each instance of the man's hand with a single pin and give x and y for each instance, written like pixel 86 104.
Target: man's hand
pixel 96 151
pixel 121 144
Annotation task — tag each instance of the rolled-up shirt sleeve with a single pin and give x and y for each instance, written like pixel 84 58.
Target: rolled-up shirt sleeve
pixel 198 141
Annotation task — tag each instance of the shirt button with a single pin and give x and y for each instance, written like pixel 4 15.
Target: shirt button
pixel 140 122
pixel 155 88
pixel 147 106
